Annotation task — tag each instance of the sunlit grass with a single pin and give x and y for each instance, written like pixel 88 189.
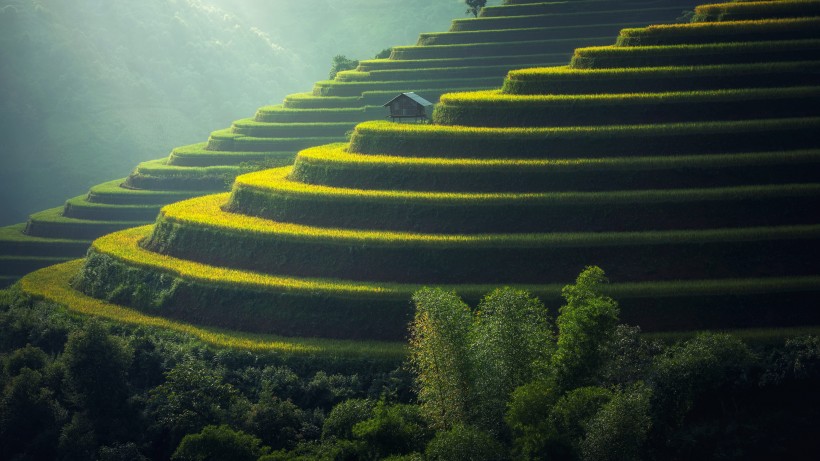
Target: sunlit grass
pixel 52 284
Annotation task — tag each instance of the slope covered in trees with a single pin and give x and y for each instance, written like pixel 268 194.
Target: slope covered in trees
pixel 474 54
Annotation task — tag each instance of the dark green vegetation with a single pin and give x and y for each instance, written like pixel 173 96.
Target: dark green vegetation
pixel 477 54
pixel 699 193
pixel 506 379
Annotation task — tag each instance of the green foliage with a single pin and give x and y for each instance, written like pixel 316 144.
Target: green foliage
pixel 586 325
pixel 383 54
pixel 439 352
pixel 30 415
pixel 394 429
pixel 277 422
pixel 474 6
pixel 464 443
pixel 511 344
pixel 620 429
pixel 341 62
pixel 528 415
pixel 339 423
pixel 217 443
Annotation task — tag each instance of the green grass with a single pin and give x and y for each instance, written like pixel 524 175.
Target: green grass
pixel 111 192
pixel 411 140
pixel 269 194
pixel 729 31
pixel 198 155
pixel 567 80
pixel 281 114
pixel 735 11
pixel 52 224
pixel 251 127
pixel 337 88
pixel 52 284
pixel 16 265
pixel 524 34
pixel 495 108
pixel 311 101
pixel 577 18
pixel 81 208
pixel 476 50
pixel 226 140
pixel 472 72
pixel 522 8
pixel 701 54
pixel 505 60
pixel 332 165
pixel 689 304
pixel 13 241
pixel 158 175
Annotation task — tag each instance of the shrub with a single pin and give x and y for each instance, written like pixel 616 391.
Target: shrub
pixel 219 443
pixel 464 443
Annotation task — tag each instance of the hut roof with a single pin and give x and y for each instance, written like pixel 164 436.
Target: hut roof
pixel 423 102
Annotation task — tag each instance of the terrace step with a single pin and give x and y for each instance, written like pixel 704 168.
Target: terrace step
pixel 81 208
pixel 508 60
pixel 251 127
pixel 717 32
pixel 113 192
pixel 271 195
pixel 281 114
pixel 236 145
pixel 691 55
pixel 343 308
pixel 606 30
pixel 52 224
pixel 496 109
pixel 338 88
pixel 613 15
pixel 14 267
pixel 14 242
pixel 246 242
pixel 333 166
pixel 566 80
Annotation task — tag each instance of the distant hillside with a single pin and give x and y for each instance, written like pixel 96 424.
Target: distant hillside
pixel 89 88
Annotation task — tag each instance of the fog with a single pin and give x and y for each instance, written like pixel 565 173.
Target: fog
pixel 89 88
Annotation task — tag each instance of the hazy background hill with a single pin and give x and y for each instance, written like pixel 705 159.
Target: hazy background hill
pixel 89 88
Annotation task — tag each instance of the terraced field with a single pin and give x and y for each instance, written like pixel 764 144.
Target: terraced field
pixel 703 217
pixel 475 54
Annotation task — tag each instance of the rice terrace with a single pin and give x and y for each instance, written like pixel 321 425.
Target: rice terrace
pixel 597 240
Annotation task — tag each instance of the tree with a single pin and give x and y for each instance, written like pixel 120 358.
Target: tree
pixel 97 369
pixel 339 423
pixel 511 345
pixel 474 6
pixel 216 443
pixel 619 430
pixel 276 422
pixel 341 62
pixel 464 443
pixel 439 353
pixel 393 430
pixel 586 324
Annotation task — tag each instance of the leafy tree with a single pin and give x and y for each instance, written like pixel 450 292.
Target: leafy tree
pixel 528 418
pixel 192 397
pixel 439 352
pixel 618 432
pixel 31 357
pixel 30 417
pixel 464 443
pixel 216 443
pixel 97 369
pixel 339 423
pixel 511 344
pixel 121 452
pixel 78 439
pixel 569 419
pixel 474 6
pixel 340 63
pixel 586 325
pixel 277 422
pixel 393 430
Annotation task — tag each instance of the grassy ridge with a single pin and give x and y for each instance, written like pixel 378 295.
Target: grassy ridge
pixel 575 18
pixel 14 242
pixel 523 34
pixel 200 230
pixel 281 114
pixel 332 165
pixel 728 31
pixel 112 192
pixel 251 127
pixel 692 304
pixel 270 195
pixel 226 140
pixel 199 155
pixel 509 60
pixel 19 265
pixel 498 109
pixel 338 88
pixel 567 80
pixel 52 224
pixel 735 11
pixel 489 71
pixel 81 208
pixel 53 284
pixel 601 57
pixel 476 50
pixel 584 142
pixel 158 175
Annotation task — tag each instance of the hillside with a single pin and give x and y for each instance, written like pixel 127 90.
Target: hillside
pixel 474 54
pixel 683 159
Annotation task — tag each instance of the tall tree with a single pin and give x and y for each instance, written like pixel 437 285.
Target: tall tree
pixel 439 352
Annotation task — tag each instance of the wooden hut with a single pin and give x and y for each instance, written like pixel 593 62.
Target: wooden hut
pixel 407 106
